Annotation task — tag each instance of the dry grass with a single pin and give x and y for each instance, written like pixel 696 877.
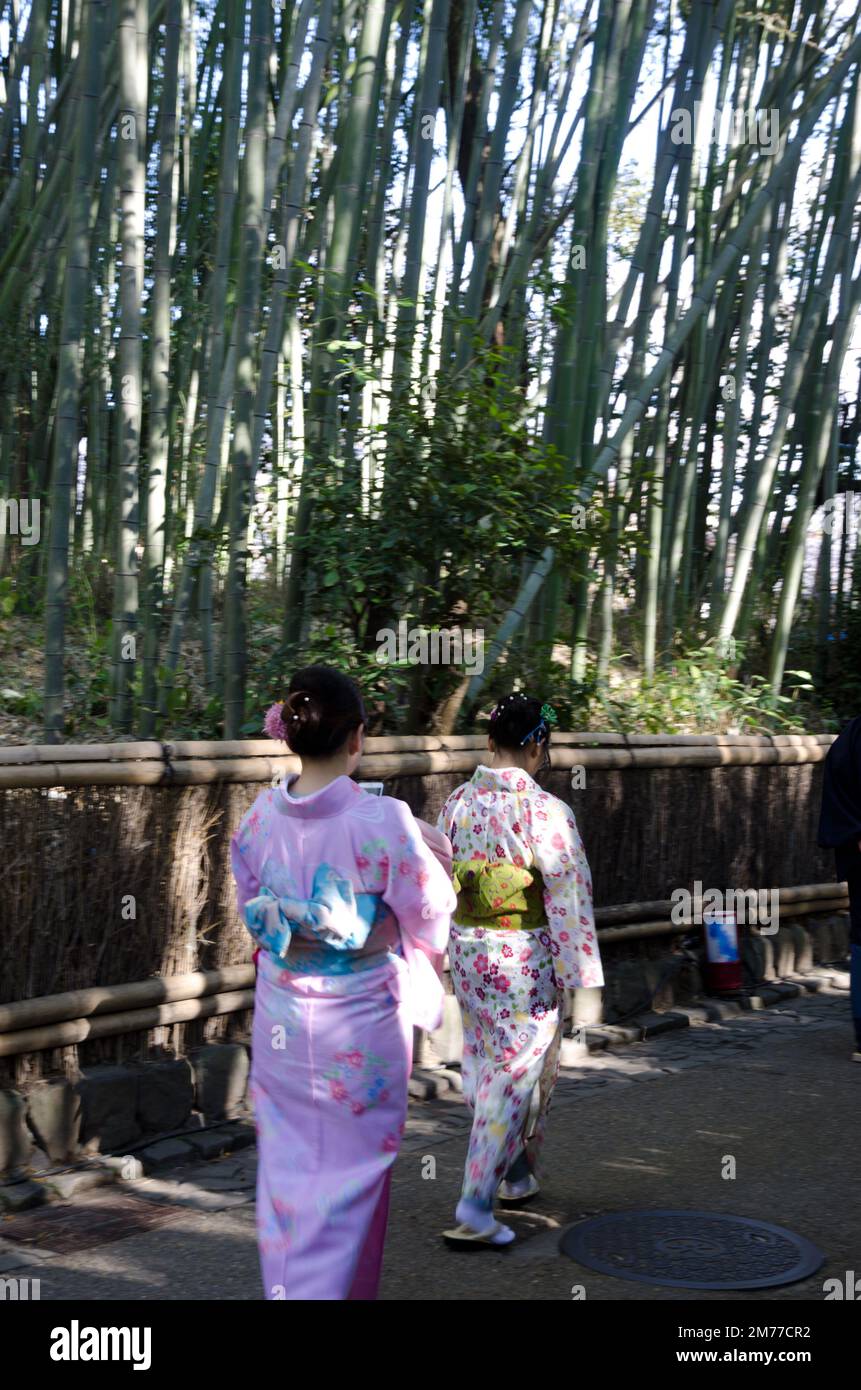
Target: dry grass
pixel 110 885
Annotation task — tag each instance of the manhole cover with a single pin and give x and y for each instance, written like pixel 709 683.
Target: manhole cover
pixel 691 1250
pixel 66 1229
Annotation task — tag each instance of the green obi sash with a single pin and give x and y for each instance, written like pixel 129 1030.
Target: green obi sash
pixel 498 895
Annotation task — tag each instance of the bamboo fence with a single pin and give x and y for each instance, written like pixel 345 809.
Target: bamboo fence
pixel 188 763
pixel 88 827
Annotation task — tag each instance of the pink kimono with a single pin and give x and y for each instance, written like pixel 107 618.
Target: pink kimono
pixel 353 910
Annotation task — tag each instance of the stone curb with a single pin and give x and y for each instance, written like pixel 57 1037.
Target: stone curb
pixel 198 1144
pixel 428 1082
pixel 21 1196
pixel 109 1168
pixel 837 980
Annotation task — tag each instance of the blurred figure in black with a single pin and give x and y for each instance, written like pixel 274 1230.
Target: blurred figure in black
pixel 840 830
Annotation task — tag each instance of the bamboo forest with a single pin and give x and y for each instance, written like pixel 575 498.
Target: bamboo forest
pixel 465 345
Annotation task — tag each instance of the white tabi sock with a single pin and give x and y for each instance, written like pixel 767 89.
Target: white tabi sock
pixel 481 1221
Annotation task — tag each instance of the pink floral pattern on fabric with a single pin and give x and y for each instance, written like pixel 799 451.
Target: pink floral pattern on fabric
pixel 392 1141
pixel 378 848
pixel 502 813
pixel 511 1037
pixel 357 1080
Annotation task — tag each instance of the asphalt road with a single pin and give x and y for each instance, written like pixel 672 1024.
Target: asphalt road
pixel 648 1125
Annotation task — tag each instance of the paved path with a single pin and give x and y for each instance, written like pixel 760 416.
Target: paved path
pixel 645 1125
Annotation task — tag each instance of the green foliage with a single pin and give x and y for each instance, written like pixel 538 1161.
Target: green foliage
pixel 8 597
pixel 699 692
pixel 627 211
pixel 471 494
pixel 24 702
pixel 702 692
pixel 834 664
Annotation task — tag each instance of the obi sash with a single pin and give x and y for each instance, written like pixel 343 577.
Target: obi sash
pixel 498 895
pixel 335 916
pixel 337 921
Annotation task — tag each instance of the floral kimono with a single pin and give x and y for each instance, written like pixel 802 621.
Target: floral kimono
pixel 524 930
pixel 350 909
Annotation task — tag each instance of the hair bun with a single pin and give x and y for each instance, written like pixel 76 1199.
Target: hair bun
pixel 516 718
pixel 321 710
pixel 517 697
pixel 301 710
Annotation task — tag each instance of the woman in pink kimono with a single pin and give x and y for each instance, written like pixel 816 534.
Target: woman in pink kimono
pixel 351 910
pixel 523 931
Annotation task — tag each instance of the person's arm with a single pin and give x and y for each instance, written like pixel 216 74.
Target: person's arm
pixel 437 842
pixel 561 859
pixel 445 819
pixel 243 861
pixel 244 858
pixel 418 889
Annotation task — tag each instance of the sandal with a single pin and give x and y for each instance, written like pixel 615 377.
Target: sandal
pixel 514 1194
pixel 465 1238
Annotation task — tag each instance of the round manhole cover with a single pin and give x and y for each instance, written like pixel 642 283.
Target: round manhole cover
pixel 691 1250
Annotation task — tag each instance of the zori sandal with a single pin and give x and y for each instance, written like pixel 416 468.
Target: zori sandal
pixel 516 1193
pixel 463 1237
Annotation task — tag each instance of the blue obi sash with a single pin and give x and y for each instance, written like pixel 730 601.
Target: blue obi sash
pixel 339 917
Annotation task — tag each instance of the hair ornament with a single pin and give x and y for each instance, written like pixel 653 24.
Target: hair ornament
pixel 273 723
pixel 549 714
pixel 516 697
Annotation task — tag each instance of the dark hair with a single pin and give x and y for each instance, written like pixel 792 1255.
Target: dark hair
pixel 514 718
pixel 322 709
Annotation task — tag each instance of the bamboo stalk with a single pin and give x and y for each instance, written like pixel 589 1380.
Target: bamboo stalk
pixel 248 300
pixel 78 752
pixel 131 165
pixel 157 497
pixel 639 931
pixel 70 373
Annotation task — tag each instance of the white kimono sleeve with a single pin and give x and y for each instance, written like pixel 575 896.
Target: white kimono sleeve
pixel 561 860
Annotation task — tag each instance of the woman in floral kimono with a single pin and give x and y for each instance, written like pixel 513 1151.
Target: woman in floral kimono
pixel 523 931
pixel 351 910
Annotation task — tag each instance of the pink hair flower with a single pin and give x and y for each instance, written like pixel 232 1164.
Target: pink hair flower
pixel 273 724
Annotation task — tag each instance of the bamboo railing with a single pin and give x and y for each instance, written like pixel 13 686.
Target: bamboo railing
pixel 189 762
pixel 59 1020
